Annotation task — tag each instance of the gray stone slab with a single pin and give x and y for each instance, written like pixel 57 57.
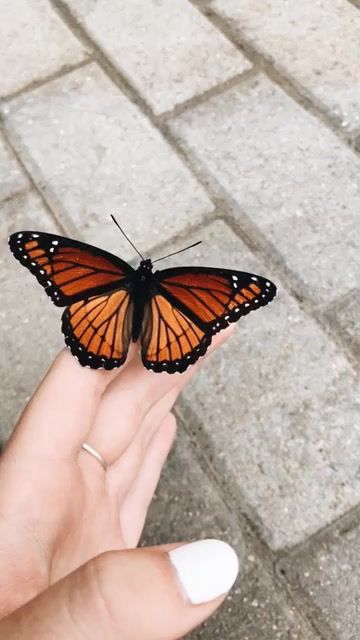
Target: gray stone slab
pixel 35 43
pixel 167 49
pixel 317 44
pixel 276 409
pixel 346 314
pixel 12 178
pixel 188 506
pixel 327 577
pixel 94 153
pixel 30 326
pixel 291 176
pixel 259 613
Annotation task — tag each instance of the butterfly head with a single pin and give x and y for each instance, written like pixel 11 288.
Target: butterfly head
pixel 146 266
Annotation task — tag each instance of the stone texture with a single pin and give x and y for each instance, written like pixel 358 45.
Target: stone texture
pixel 35 44
pixel 94 153
pixel 328 575
pixel 167 49
pixel 292 177
pixel 277 410
pixel 259 613
pixel 317 44
pixel 30 333
pixel 188 506
pixel 346 314
pixel 12 178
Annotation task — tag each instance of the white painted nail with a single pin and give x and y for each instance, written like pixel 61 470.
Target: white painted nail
pixel 206 569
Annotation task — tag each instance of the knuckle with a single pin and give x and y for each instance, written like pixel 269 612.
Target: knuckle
pixel 91 603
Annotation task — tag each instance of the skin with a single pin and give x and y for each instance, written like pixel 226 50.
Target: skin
pixel 69 567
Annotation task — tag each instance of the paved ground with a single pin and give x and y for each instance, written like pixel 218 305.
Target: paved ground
pixel 238 123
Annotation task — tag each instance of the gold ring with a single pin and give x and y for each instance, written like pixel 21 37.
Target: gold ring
pixel 96 455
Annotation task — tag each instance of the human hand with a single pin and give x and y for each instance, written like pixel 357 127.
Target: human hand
pixel 68 528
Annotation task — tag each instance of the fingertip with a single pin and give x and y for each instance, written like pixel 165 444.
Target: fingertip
pixel 206 569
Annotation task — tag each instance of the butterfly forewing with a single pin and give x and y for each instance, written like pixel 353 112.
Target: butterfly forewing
pixel 192 304
pixel 67 269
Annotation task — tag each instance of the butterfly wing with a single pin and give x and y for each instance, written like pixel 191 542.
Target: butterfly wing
pixel 98 330
pixel 189 306
pixel 68 270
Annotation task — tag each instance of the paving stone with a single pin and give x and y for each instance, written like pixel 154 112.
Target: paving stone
pixel 328 574
pixel 35 44
pixel 292 177
pixel 167 49
pixel 317 44
pixel 30 327
pixel 277 410
pixel 94 153
pixel 259 613
pixel 346 314
pixel 12 179
pixel 188 507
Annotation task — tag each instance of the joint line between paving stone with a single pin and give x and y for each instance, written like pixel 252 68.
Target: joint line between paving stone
pixel 242 512
pixel 355 3
pixel 258 243
pixel 32 182
pixel 124 83
pixel 37 84
pixel 194 101
pixel 293 89
pixel 118 78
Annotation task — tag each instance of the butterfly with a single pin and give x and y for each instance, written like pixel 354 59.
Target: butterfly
pixel 175 312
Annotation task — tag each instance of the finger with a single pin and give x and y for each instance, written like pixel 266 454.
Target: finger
pixel 123 472
pixel 142 593
pixel 135 505
pixel 61 411
pixel 130 397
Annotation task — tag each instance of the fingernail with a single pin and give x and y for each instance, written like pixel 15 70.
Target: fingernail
pixel 206 569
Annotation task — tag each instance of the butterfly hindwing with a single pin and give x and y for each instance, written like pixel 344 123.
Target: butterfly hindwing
pixel 68 270
pixel 191 304
pixel 170 340
pixel 98 330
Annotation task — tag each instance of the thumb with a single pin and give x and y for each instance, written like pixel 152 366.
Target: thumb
pixel 158 593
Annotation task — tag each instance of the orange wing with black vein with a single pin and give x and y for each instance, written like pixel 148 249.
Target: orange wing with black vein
pixel 191 304
pixel 98 330
pixel 170 340
pixel 68 270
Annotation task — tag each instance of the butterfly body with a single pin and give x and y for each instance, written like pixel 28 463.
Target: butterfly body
pixel 142 289
pixel 173 312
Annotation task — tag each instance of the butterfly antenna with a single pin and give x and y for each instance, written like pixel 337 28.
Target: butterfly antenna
pixel 128 239
pixel 176 252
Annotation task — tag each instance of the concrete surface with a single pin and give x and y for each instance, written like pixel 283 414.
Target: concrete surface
pixel 236 123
